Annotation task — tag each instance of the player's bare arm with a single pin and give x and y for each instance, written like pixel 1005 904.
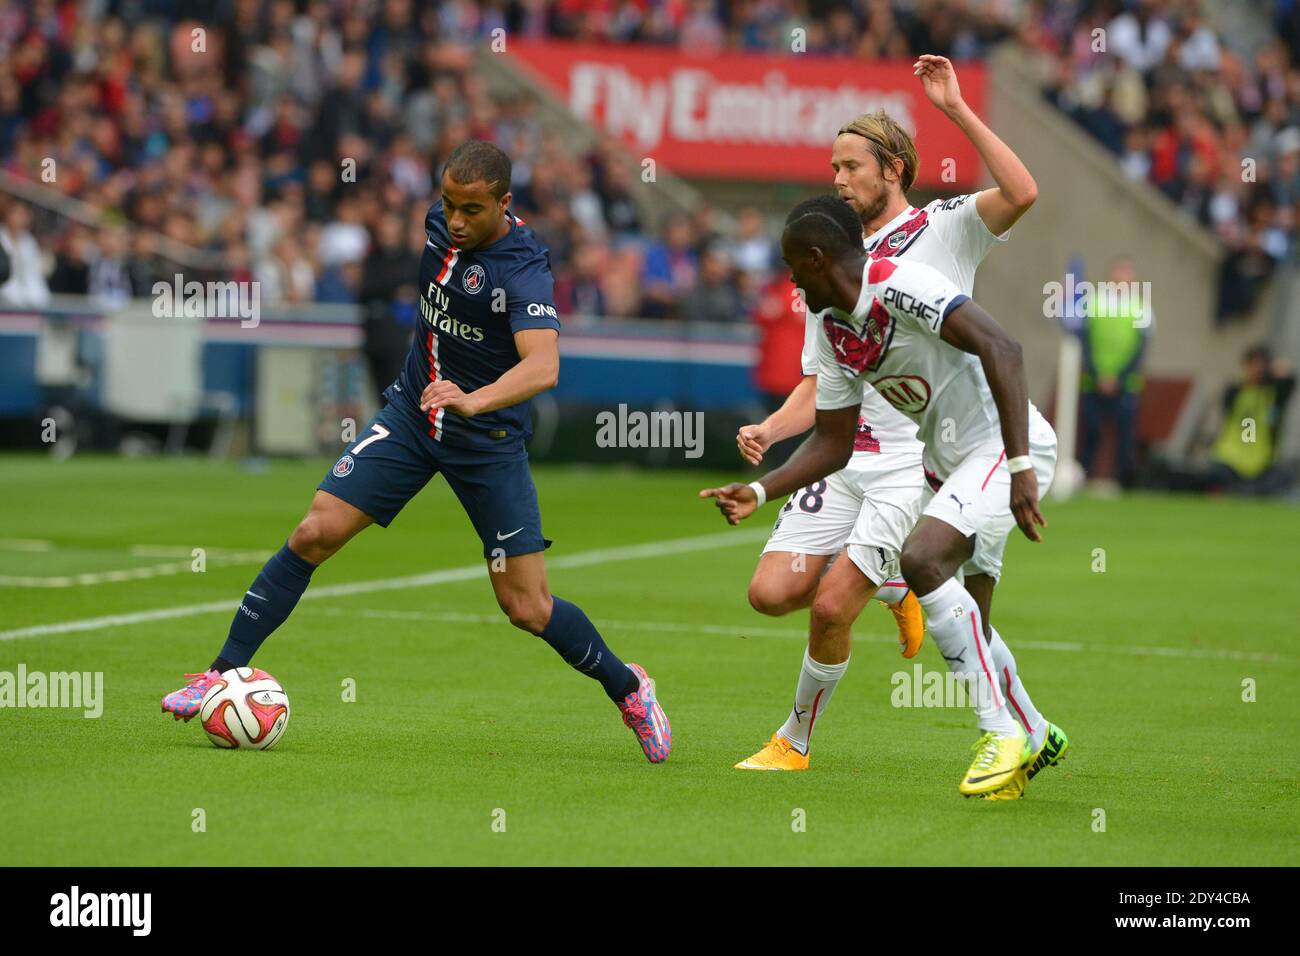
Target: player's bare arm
pixel 971 329
pixel 1016 190
pixel 794 417
pixel 537 371
pixel 826 451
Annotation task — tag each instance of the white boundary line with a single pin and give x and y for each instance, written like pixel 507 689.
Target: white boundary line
pixel 25 544
pixel 725 630
pixel 219 557
pixel 651 549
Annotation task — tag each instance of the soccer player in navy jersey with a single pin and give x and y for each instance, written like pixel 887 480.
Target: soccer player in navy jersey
pixel 487 341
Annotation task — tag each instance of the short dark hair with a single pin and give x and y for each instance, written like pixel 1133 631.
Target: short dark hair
pixel 477 159
pixel 827 222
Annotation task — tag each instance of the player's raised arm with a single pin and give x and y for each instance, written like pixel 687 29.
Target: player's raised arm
pixel 1016 190
pixel 538 369
pixel 969 328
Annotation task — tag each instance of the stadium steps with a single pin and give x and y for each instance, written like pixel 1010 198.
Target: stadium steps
pixel 57 206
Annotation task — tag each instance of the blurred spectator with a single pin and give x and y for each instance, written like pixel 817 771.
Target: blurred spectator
pixel 714 297
pixel 339 284
pixel 1245 451
pixel 704 232
pixel 781 332
pixel 1114 340
pixel 285 276
pixel 109 283
pixel 26 287
pixel 1140 36
pixel 578 291
pixel 71 275
pixel 389 296
pixel 344 239
pixel 585 206
pixel 752 250
pixel 144 265
pixel 669 269
pixel 1244 271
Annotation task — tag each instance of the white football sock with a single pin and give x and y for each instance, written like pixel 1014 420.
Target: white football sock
pixel 811 695
pixel 891 593
pixel 1022 708
pixel 955 623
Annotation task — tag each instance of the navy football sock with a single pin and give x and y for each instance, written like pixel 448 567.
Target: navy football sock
pixel 576 639
pixel 265 606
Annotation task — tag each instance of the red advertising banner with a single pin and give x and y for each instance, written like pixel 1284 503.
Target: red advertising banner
pixel 750 116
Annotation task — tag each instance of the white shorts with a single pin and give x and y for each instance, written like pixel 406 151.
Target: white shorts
pixel 976 498
pixel 870 506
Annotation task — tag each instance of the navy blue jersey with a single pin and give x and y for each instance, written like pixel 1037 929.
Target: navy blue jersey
pixel 472 302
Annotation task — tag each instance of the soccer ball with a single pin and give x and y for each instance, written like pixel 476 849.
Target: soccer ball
pixel 247 707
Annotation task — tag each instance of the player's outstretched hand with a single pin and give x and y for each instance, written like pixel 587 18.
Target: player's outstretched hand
pixel 448 395
pixel 736 501
pixel 753 440
pixel 939 80
pixel 1024 504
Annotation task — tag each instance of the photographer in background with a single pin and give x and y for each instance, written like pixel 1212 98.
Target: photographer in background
pixel 1245 452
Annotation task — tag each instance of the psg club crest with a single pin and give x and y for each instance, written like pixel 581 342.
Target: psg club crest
pixel 343 467
pixel 473 279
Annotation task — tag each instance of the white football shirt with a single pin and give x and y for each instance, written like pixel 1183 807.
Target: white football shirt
pixel 881 430
pixel 891 342
pixel 948 235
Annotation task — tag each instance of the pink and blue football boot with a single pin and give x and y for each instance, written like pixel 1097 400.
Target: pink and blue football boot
pixel 641 712
pixel 184 703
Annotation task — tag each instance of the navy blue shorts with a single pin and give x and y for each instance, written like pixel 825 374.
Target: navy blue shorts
pixel 394 457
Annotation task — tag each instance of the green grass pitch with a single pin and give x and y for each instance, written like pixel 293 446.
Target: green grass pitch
pixel 458 716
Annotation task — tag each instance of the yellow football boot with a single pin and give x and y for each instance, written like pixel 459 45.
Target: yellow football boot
pixel 1009 791
pixel 777 754
pixel 1055 744
pixel 911 624
pixel 997 762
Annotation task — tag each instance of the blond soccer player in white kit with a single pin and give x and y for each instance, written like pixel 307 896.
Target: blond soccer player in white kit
pixel 875 162
pixel 907 331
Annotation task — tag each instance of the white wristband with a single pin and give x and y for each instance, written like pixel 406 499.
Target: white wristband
pixel 1019 463
pixel 760 491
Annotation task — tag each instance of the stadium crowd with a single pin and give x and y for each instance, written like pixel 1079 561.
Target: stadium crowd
pixel 240 150
pixel 1213 127
pixel 236 149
